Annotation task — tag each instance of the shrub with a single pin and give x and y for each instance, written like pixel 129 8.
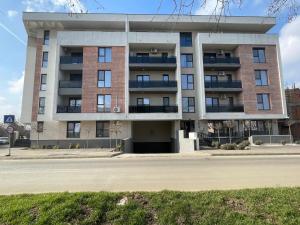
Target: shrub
pixel 258 142
pixel 215 144
pixel 77 146
pixel 229 146
pixel 55 147
pixel 71 146
pixel 283 142
pixel 243 145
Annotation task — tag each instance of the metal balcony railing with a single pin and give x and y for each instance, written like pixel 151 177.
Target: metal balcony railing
pixel 153 109
pixel 225 108
pixel 68 109
pixel 71 60
pixel 226 60
pixel 70 84
pixel 152 59
pixel 152 84
pixel 223 84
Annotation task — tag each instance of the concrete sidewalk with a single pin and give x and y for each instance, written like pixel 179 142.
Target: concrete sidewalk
pixel 22 153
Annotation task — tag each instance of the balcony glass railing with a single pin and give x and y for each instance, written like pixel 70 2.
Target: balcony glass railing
pixel 153 109
pixel 225 108
pixel 71 60
pixel 70 84
pixel 152 84
pixel 226 60
pixel 152 59
pixel 223 84
pixel 68 109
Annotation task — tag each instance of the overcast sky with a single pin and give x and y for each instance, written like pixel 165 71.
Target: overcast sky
pixel 13 37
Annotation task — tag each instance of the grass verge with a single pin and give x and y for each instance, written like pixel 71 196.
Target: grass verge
pixel 255 206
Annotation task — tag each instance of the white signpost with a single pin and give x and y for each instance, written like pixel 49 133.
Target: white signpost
pixel 10 131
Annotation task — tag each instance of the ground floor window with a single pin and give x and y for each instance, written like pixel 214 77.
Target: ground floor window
pixel 73 130
pixel 102 128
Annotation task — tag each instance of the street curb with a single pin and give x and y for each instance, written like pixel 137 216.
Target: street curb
pixel 252 154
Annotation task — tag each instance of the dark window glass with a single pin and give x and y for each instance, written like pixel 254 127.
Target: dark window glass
pixel 73 130
pixel 186 39
pixel 46 37
pixel 166 101
pixel 259 55
pixel 188 104
pixel 104 55
pixel 104 103
pixel 42 105
pixel 43 84
pixel 45 60
pixel 40 126
pixel 187 81
pixel 104 78
pixel 186 60
pixel 102 129
pixel 143 101
pixel 261 78
pixel 75 77
pixel 263 101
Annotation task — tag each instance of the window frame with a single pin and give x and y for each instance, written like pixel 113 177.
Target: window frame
pixel 73 132
pixel 186 39
pixel 259 82
pixel 41 109
pixel 189 106
pixel 260 101
pixel 256 55
pixel 105 104
pixel 46 38
pixel 102 132
pixel 43 82
pixel 168 98
pixel 40 127
pixel 106 78
pixel 164 76
pixel 185 77
pixel 105 56
pixel 213 100
pixel 45 59
pixel 143 99
pixel 188 63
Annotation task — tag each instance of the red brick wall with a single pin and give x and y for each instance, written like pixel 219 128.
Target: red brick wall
pixel 37 77
pixel 247 75
pixel 90 78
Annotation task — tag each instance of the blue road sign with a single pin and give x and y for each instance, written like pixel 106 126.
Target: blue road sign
pixel 9 118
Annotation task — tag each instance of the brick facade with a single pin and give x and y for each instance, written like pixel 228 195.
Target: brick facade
pixel 37 78
pixel 247 74
pixel 90 88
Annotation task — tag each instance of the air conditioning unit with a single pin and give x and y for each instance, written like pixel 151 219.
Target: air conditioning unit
pixel 154 50
pixel 221 73
pixel 220 52
pixel 116 109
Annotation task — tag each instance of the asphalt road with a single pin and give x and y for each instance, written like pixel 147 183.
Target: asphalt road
pixel 148 174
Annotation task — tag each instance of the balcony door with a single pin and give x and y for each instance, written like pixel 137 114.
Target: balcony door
pixel 74 102
pixel 212 102
pixel 143 78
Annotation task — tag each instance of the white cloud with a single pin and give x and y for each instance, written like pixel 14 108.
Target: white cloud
pixel 290 47
pixel 12 13
pixel 211 7
pixel 16 86
pixel 6 108
pixel 74 6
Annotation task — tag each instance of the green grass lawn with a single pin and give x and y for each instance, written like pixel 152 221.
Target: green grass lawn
pixel 256 206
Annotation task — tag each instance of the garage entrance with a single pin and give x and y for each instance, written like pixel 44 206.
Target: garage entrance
pixel 152 137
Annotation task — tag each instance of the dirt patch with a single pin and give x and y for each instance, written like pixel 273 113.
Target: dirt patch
pixel 237 205
pixel 34 213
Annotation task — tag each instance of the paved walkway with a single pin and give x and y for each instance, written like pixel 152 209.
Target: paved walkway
pixel 21 153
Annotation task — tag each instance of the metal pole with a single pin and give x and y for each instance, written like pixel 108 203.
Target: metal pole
pixel 9 136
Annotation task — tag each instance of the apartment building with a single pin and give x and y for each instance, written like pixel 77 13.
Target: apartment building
pixel 93 79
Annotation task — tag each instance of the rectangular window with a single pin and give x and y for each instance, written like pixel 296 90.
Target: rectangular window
pixel 104 55
pixel 261 78
pixel 43 84
pixel 74 102
pixel 73 130
pixel 165 77
pixel 263 101
pixel 40 127
pixel 143 101
pixel 259 55
pixel 45 60
pixel 188 104
pixel 187 81
pixel 102 128
pixel 166 101
pixel 104 78
pixel 143 78
pixel 104 103
pixel 42 105
pixel 46 37
pixel 212 102
pixel 186 60
pixel 186 39
pixel 211 78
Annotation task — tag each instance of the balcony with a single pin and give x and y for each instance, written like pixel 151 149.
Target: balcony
pixel 225 63
pixel 223 86
pixel 153 86
pixel 153 109
pixel 225 108
pixel 71 62
pixel 68 87
pixel 152 62
pixel 68 109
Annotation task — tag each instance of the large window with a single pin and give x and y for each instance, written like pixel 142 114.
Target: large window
pixel 75 102
pixel 46 37
pixel 263 101
pixel 187 81
pixel 212 102
pixel 259 55
pixel 261 78
pixel 73 130
pixel 104 55
pixel 186 60
pixel 102 129
pixel 104 78
pixel 42 101
pixel 45 60
pixel 43 84
pixel 188 104
pixel 143 78
pixel 186 39
pixel 104 103
pixel 143 101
